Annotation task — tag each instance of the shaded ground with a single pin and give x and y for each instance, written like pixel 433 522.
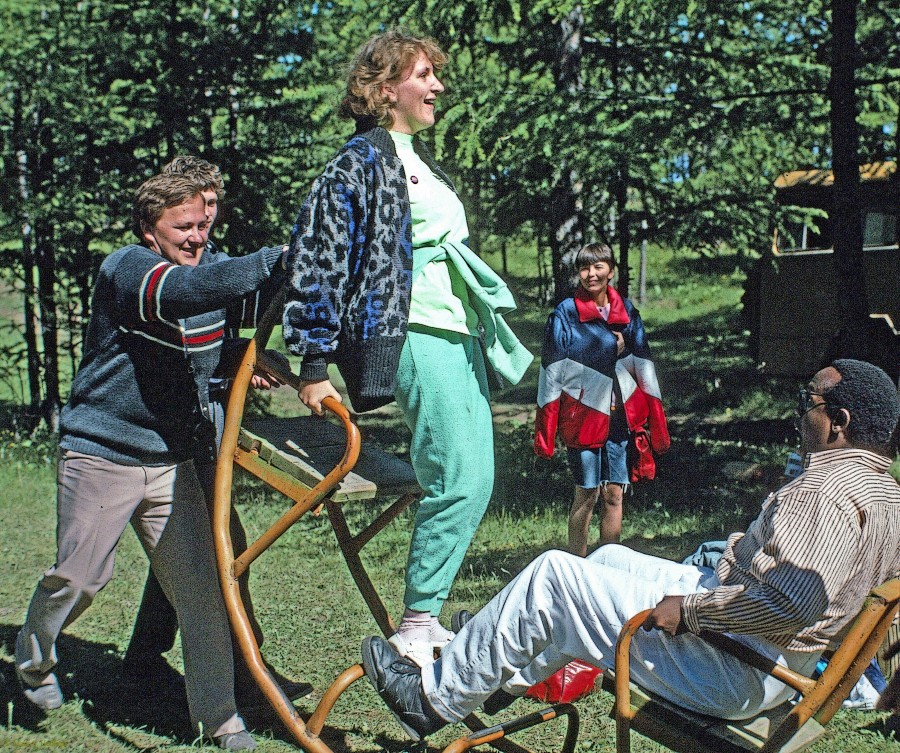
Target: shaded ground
pixel 731 428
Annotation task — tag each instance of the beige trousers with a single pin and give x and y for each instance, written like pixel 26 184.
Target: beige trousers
pixel 96 499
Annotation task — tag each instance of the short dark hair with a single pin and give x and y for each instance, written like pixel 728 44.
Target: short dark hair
pixel 592 253
pixel 206 172
pixel 157 194
pixel 870 397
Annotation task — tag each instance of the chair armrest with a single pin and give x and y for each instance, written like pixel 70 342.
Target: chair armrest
pixel 623 664
pixel 889 590
pixel 747 655
pixel 755 659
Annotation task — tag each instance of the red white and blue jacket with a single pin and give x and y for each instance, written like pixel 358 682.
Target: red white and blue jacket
pixel 578 364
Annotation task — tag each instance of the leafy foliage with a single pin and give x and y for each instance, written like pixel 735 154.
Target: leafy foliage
pixel 563 121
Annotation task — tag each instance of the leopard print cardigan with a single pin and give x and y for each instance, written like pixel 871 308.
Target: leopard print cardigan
pixel 350 263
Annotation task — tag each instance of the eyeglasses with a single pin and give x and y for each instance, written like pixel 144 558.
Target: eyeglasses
pixel 805 403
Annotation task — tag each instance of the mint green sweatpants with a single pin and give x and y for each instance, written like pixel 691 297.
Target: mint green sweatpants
pixel 443 393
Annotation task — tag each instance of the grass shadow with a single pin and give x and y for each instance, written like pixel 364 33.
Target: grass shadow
pixel 705 367
pixel 887 727
pixel 502 565
pixel 92 672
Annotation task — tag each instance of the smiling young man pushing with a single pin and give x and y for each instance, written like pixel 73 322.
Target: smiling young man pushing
pixel 136 423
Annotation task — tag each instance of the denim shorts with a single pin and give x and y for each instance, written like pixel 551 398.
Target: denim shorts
pixel 607 464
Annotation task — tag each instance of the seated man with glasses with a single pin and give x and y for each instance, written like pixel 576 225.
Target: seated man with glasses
pixel 787 588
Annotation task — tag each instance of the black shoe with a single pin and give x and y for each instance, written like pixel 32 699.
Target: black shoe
pixel 399 683
pixel 294 689
pixel 253 704
pixel 459 619
pixel 499 699
pixel 250 698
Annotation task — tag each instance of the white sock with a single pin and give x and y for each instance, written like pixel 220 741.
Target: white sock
pixel 415 626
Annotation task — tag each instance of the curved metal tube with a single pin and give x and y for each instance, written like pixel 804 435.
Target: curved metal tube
pixel 229 568
pixel 623 712
pixel 495 733
pixel 345 680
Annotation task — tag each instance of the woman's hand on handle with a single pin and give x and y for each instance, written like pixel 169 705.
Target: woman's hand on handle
pixel 313 393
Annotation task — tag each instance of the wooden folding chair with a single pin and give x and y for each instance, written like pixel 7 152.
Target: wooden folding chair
pixel 785 729
pixel 316 463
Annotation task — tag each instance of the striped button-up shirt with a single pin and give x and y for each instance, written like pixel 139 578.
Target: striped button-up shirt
pixel 800 573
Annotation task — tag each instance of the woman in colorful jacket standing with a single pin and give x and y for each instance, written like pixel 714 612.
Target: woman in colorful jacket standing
pixel 597 387
pixel 384 285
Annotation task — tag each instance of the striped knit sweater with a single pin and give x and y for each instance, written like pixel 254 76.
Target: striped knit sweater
pixel 141 394
pixel 800 573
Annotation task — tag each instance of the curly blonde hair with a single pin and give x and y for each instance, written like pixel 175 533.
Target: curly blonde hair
pixel 207 172
pixel 385 59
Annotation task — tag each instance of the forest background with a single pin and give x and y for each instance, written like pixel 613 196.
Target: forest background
pixel 659 126
pixel 562 122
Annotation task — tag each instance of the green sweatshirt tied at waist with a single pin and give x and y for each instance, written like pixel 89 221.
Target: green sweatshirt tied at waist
pixel 490 298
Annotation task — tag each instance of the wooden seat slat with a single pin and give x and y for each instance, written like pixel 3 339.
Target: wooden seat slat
pixel 308 447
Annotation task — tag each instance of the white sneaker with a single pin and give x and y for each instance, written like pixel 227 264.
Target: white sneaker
pixel 420 652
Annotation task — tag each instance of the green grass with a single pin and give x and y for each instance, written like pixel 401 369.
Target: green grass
pixel 731 430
